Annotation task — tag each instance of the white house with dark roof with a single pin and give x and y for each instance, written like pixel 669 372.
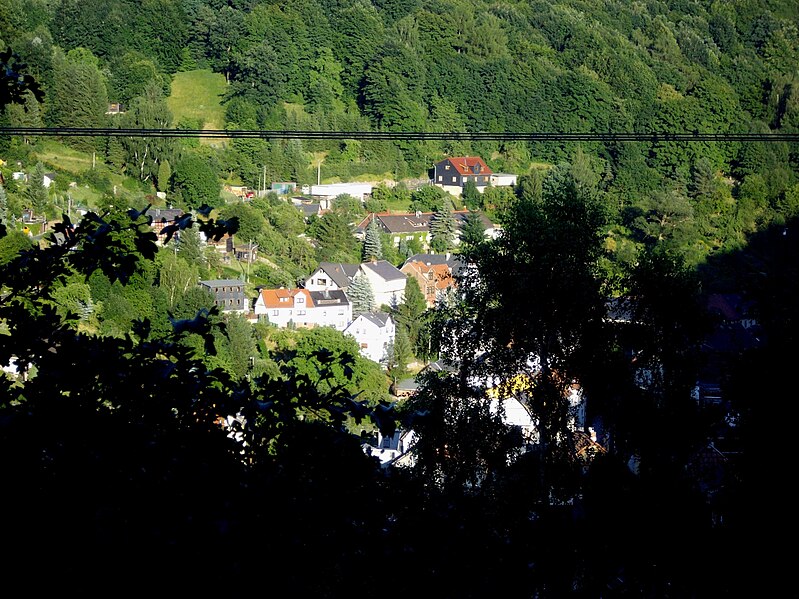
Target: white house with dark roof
pixel 331 308
pixel 331 276
pixel 387 282
pixel 374 332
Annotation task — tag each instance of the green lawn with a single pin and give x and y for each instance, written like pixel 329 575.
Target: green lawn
pixel 63 158
pixel 198 95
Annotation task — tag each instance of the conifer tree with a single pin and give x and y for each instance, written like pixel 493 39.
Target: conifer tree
pixel 473 229
pixel 409 314
pixel 37 192
pixel 190 247
pixel 442 231
pixel 398 354
pixel 372 244
pixel 361 295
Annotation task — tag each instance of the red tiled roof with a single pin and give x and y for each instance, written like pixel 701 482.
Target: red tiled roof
pixel 464 164
pixel 284 298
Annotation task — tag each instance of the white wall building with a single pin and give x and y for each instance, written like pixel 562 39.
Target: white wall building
pixel 374 332
pixel 303 308
pixel 387 282
pixel 331 190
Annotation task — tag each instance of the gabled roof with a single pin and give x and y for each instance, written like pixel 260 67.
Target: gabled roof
pixel 309 209
pixel 454 262
pixel 460 218
pixel 332 297
pixel 441 273
pixel 284 298
pixel 465 165
pixel 418 222
pixel 341 273
pixel 385 270
pixel 214 283
pixel 378 318
pixel 167 213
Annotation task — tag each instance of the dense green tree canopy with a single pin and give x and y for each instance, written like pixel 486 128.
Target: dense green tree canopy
pixel 196 182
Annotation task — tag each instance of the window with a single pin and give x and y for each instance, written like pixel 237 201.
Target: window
pixel 300 300
pixel 364 346
pixel 275 312
pixel 321 281
pixel 454 179
pixel 440 178
pixel 446 167
pixel 430 290
pixel 300 312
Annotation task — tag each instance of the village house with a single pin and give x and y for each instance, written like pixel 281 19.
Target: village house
pixel 452 174
pixel 228 294
pixel 400 227
pixel 308 207
pixel 433 279
pixel 373 332
pixel 387 282
pixel 454 262
pixel 303 308
pixel 330 276
pixel 410 225
pixel 161 217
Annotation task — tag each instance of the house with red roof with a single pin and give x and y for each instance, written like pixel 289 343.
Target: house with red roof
pixel 302 308
pixel 434 279
pixel 451 174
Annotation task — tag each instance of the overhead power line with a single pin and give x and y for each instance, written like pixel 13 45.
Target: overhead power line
pixel 652 137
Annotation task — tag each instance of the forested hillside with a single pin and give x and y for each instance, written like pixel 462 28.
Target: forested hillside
pixel 449 66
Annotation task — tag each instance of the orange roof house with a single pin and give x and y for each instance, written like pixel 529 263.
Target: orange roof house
pixel 302 308
pixel 433 279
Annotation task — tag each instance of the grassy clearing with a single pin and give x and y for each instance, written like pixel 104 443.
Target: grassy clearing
pixel 63 158
pixel 198 95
